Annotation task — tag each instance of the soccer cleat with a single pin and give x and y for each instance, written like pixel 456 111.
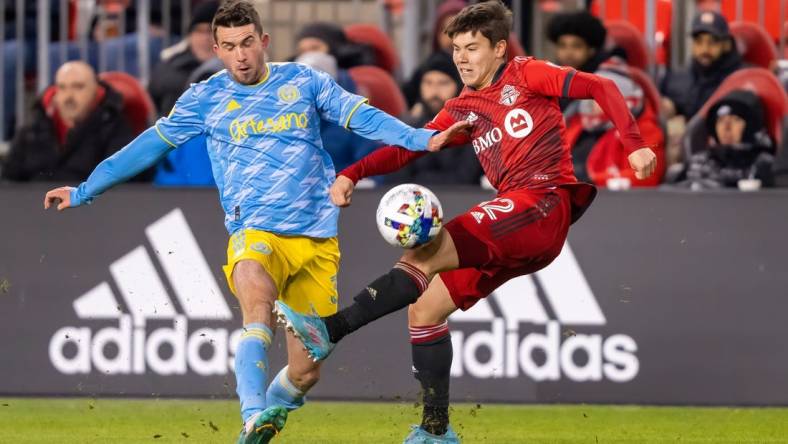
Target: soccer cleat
pixel 309 329
pixel 421 436
pixel 259 429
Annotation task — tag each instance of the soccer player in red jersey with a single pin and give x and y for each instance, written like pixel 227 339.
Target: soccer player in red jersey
pixel 517 131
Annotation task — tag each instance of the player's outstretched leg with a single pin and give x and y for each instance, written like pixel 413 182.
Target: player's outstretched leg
pixel 432 354
pixel 395 290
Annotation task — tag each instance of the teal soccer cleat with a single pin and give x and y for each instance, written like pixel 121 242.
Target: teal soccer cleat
pixel 421 436
pixel 309 329
pixel 260 429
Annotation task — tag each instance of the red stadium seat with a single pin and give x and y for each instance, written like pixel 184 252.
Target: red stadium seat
pixel 771 16
pixel 385 52
pixel 626 36
pixel 635 12
pixel 755 44
pixel 137 104
pixel 761 82
pixel 380 88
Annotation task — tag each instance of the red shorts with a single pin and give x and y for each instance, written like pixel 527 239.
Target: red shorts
pixel 517 233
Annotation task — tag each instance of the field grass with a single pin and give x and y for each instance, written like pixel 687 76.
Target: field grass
pixel 45 420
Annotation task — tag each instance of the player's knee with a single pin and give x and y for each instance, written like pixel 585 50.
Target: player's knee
pixel 420 315
pixel 305 379
pixel 420 260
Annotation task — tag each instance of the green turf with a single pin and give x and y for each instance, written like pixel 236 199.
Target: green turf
pixel 132 421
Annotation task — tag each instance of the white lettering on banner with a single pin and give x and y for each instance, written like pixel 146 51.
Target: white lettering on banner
pixel 509 354
pixel 138 348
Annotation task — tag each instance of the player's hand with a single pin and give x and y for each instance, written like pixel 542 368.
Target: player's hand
pixel 341 191
pixel 644 162
pixel 441 139
pixel 60 197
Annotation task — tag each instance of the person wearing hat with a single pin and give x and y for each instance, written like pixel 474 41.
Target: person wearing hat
pixel 331 39
pixel 440 81
pixel 714 57
pixel 170 77
pixel 739 147
pixel 328 38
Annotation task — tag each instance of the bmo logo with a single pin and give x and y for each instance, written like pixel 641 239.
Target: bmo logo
pixel 518 123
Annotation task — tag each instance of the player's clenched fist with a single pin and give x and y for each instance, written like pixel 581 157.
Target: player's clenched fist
pixel 341 190
pixel 60 197
pixel 644 162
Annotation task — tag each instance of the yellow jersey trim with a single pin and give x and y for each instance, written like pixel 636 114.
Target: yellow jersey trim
pixel 162 136
pixel 353 111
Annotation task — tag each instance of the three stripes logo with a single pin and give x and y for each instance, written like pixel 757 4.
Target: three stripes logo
pixel 489 342
pixel 149 330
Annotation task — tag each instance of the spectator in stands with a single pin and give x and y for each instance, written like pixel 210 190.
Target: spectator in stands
pixel 598 154
pixel 714 57
pixel 440 82
pixel 331 39
pixel 441 47
pixel 170 77
pixel 344 147
pixel 739 146
pixel 71 130
pixel 579 40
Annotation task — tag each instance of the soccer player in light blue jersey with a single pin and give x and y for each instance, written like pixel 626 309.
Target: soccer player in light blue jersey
pixel 262 124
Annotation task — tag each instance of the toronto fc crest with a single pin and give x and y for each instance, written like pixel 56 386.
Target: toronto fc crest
pixel 509 95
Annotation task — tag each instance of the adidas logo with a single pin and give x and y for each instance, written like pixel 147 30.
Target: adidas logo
pixel 232 106
pixel 136 348
pixel 544 353
pixel 372 292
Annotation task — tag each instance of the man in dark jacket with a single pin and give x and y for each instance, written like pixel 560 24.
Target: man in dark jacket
pixel 73 128
pixel 714 57
pixel 440 81
pixel 170 77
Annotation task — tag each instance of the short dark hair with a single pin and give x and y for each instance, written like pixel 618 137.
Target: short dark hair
pixel 581 24
pixel 491 18
pixel 234 13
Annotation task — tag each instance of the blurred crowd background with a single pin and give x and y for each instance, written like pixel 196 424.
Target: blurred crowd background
pixel 706 81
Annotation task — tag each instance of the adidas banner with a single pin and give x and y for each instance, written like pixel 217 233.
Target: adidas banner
pixel 658 298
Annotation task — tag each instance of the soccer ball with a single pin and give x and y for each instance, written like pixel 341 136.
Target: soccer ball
pixel 409 215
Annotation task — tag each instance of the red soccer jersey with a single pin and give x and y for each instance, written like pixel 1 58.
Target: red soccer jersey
pixel 518 128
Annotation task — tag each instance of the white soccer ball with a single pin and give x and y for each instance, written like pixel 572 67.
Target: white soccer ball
pixel 409 215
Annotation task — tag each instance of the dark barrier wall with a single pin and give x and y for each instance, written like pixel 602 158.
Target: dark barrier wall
pixel 659 297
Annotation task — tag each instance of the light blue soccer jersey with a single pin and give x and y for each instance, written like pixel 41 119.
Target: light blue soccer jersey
pixel 265 147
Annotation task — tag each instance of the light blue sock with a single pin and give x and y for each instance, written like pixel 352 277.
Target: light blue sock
pixel 282 392
pixel 251 368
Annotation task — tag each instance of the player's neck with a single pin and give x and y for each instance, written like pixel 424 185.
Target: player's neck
pixel 493 75
pixel 263 74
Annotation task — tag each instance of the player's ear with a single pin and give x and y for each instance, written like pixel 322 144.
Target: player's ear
pixel 500 49
pixel 266 39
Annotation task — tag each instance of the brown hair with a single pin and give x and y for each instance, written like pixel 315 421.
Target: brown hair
pixel 491 18
pixel 234 13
